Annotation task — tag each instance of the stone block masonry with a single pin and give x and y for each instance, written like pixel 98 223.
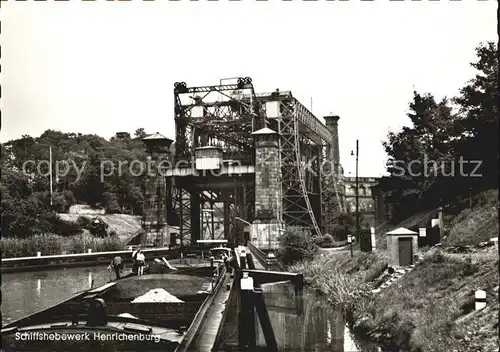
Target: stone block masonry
pixel 265 234
pixel 268 194
pixel 267 187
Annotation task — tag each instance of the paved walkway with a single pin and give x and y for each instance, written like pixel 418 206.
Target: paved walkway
pixel 258 265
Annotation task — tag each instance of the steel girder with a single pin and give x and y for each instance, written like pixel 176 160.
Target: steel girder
pixel 313 128
pixel 226 122
pixel 227 203
pixel 301 132
pixel 213 220
pixel 215 116
pixel 182 207
pixel 310 196
pixel 296 153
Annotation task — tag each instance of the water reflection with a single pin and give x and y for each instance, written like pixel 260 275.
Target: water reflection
pixel 316 328
pixel 27 293
pixel 38 287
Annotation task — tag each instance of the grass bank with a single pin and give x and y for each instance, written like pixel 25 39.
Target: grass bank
pixel 428 309
pixel 431 308
pixel 51 244
pixel 475 225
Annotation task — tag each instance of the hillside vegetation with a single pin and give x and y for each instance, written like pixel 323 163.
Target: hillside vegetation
pixel 78 164
pixel 476 225
pixel 449 151
pixel 431 308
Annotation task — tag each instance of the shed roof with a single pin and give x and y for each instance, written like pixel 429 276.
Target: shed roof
pixel 264 130
pixel 156 136
pixel 401 231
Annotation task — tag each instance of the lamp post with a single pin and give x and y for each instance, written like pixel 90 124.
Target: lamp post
pixel 357 191
pixel 349 239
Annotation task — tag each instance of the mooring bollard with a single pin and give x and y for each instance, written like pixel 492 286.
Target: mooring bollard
pixel 246 330
pixel 480 299
pixel 89 251
pixel 38 254
pixel 243 260
pixel 372 238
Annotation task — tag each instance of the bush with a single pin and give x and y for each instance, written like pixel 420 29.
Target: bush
pixel 317 240
pixel 341 279
pixel 327 239
pixel 48 244
pixel 64 228
pixel 296 245
pixel 51 244
pixel 489 197
pixel 98 227
pixel 80 244
pixel 83 222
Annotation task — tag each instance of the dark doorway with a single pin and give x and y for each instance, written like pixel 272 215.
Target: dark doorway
pixel 405 251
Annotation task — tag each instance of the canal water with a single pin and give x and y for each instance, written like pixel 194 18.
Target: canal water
pixel 28 293
pixel 305 322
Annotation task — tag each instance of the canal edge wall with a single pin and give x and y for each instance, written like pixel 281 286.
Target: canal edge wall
pixel 27 264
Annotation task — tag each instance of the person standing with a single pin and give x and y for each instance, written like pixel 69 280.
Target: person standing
pixel 135 269
pixel 141 262
pixel 117 265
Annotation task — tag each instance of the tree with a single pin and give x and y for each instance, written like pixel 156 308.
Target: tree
pixel 430 163
pixel 477 125
pixel 140 133
pixel 25 206
pixel 296 245
pixel 346 224
pixel 418 154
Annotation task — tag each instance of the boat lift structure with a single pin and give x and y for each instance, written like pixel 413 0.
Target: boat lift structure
pixel 262 157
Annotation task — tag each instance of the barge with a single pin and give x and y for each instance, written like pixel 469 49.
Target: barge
pixel 117 317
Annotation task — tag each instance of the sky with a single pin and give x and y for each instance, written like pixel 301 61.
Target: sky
pixel 105 67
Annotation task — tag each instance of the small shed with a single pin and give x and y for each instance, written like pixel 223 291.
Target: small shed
pixel 402 245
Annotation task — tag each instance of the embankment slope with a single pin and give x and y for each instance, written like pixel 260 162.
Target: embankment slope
pixel 430 308
pixel 125 226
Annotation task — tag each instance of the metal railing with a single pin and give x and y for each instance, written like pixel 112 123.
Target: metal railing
pixel 263 259
pixel 200 318
pixel 39 262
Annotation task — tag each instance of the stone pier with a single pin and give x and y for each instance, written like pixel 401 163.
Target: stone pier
pixel 267 225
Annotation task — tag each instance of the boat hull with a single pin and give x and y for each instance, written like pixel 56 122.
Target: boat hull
pixel 152 326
